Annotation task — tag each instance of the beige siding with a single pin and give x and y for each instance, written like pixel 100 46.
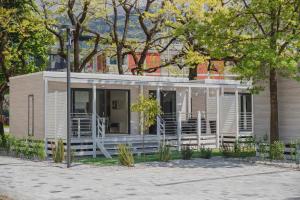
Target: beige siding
pixel 289 109
pixel 261 110
pixel 20 88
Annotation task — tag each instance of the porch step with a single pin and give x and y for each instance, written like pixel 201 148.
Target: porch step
pixel 103 149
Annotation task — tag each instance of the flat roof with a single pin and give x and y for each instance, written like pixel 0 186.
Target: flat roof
pixel 98 78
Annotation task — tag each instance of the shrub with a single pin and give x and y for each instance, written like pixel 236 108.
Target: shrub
pixel 226 150
pixel 7 142
pixel 237 149
pixel 249 144
pixel 186 153
pixel 205 153
pixel 58 151
pixel 277 150
pixel 263 150
pixel 125 155
pixel 164 153
pixel 28 148
pixel 39 150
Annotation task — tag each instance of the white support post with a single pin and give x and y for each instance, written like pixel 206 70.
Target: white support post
pixel 78 128
pixel 55 117
pixel 158 126
pixel 199 128
pixel 206 111
pixel 179 130
pixel 189 103
pixel 252 115
pixel 142 113
pixel 218 118
pixel 237 113
pixel 94 120
pixel 158 102
pixel 45 114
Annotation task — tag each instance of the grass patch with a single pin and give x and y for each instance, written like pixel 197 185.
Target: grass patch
pixel 99 161
pixel 175 155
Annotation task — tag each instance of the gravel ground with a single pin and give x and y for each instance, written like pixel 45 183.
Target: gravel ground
pixel 197 179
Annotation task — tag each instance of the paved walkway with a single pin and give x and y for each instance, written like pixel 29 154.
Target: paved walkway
pixel 196 179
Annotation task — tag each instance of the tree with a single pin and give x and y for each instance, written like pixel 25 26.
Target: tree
pixel 263 40
pixel 140 27
pixel 149 109
pixel 79 14
pixel 119 36
pixel 24 43
pixel 183 19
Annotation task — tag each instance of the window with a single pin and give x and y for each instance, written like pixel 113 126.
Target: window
pixel 30 115
pixel 82 101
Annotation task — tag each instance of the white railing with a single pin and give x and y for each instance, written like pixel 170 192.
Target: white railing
pixel 100 124
pixel 170 123
pixel 81 124
pixel 246 121
pixel 161 128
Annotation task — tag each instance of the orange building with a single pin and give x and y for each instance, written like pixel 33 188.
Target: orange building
pixel 152 61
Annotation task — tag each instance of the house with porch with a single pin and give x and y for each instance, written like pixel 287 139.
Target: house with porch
pixel 199 113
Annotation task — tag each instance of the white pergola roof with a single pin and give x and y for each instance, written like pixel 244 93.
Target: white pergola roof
pixel 158 81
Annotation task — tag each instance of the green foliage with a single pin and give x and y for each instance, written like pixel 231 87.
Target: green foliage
pixel 239 149
pixel 249 144
pixel 277 150
pixel 27 148
pixel 24 41
pixel 125 155
pixel 205 153
pixel 58 151
pixel 7 142
pixel 186 153
pixel 164 153
pixel 39 150
pixel 263 150
pixel 294 148
pixel 150 109
pixel 226 150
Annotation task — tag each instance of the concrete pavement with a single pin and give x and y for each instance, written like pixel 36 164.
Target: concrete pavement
pixel 197 179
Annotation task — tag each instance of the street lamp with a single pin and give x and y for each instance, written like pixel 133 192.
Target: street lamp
pixel 69 45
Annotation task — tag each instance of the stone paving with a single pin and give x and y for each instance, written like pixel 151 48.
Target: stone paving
pixel 197 179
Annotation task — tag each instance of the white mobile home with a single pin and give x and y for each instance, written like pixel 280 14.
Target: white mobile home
pixel 202 112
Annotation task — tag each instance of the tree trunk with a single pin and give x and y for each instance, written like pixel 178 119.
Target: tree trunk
pixel 76 67
pixel 193 73
pixel 274 133
pixel 1 116
pixel 120 61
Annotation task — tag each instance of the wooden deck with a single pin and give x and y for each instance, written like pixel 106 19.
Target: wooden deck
pixel 138 143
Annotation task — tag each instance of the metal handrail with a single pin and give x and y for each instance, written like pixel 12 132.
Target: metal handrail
pixel 162 128
pixel 81 124
pixel 100 127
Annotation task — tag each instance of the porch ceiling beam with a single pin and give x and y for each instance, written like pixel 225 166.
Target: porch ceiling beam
pixel 149 83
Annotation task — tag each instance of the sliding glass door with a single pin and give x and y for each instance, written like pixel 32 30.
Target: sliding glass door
pixel 113 105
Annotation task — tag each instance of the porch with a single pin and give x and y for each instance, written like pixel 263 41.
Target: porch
pixel 195 113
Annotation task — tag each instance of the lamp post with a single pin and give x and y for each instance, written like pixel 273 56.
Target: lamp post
pixel 69 46
pixel 69 29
